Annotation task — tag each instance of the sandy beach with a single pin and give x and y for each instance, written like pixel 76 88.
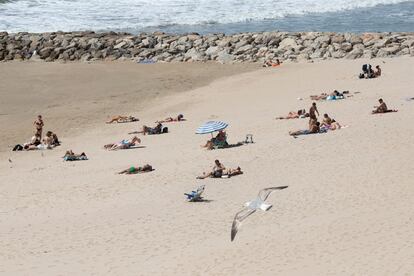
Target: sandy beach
pixel 347 210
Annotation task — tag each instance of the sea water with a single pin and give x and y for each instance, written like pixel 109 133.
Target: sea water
pixel 206 16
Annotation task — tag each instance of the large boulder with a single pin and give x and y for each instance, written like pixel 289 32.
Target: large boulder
pixel 323 39
pixel 243 49
pixel 355 53
pixel 194 55
pixel 288 43
pixel 224 57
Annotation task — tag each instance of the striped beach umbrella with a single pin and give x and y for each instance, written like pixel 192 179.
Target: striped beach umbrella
pixel 211 126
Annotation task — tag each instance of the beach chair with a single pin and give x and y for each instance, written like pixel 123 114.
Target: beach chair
pixel 195 196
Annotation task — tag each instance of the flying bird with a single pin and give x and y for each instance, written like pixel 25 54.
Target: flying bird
pixel 251 207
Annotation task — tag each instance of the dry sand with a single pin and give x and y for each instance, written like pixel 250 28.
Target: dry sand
pixel 347 211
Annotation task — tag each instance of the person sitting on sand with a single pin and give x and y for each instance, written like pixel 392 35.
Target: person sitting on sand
pixel 327 121
pixel 122 119
pixel 377 73
pixel 217 171
pixel 124 144
pixel 233 172
pixel 382 108
pixel 314 128
pixel 51 139
pixel 137 169
pixel 150 130
pixel 294 115
pixel 219 140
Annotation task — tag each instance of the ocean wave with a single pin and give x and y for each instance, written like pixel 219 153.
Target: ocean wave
pixel 64 15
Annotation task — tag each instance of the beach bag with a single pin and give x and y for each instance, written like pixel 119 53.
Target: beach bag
pixel 165 130
pixel 18 148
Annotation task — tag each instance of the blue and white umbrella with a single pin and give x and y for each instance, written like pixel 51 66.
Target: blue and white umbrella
pixel 211 127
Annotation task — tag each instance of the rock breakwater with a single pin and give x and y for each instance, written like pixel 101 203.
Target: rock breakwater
pixel 244 47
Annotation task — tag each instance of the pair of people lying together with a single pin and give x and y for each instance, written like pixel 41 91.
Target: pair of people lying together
pixel 219 171
pixel 335 95
pixel 317 127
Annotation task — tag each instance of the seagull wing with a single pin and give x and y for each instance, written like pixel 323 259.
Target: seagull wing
pixel 264 194
pixel 238 218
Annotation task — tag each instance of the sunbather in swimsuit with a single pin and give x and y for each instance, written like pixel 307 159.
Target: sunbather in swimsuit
pixel 149 130
pixel 294 115
pixel 122 119
pixel 71 156
pixel 315 128
pixel 135 170
pixel 233 172
pixel 124 144
pixel 179 118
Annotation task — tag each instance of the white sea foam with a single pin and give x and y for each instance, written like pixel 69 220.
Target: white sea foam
pixel 71 15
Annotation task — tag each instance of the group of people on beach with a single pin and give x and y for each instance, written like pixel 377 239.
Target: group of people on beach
pixel 37 142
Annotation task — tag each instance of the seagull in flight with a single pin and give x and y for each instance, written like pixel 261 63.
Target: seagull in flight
pixel 251 207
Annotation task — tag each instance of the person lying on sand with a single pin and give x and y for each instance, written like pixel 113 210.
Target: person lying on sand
pixel 294 115
pixel 150 130
pixel 137 169
pixel 382 108
pixel 335 95
pixel 122 119
pixel 179 118
pixel 124 144
pixel 217 171
pixel 314 128
pixel 329 124
pixel 233 172
pixel 269 63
